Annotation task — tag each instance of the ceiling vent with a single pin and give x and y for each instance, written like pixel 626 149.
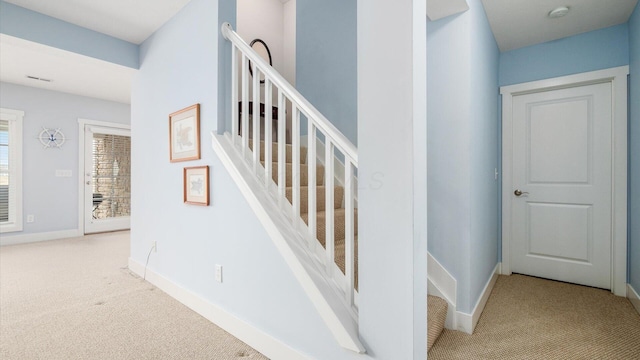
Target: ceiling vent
pixel 38 78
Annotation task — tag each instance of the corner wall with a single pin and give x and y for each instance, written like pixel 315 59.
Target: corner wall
pixel 484 128
pixel 53 200
pixel 634 150
pixel 462 75
pixel 326 60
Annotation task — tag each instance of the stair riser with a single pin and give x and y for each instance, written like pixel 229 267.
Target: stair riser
pixel 436 318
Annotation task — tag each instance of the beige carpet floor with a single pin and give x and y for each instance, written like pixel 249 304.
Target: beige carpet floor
pixel 76 299
pixel 531 318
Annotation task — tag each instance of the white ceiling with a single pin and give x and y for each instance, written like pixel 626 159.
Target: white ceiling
pixel 520 23
pixel 129 20
pixel 515 23
pixel 69 72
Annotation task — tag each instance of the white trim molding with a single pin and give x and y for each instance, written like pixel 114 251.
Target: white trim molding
pixel 467 322
pixel 633 296
pixel 617 77
pixel 15 120
pixel 442 284
pixel 82 124
pixel 38 237
pixel 257 339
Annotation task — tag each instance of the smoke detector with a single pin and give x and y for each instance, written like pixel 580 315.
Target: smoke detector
pixel 558 12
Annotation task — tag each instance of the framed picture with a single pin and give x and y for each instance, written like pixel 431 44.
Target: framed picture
pixel 184 134
pixel 196 185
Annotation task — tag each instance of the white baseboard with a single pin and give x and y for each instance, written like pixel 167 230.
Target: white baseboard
pixel 633 296
pixel 468 322
pixel 6 239
pixel 442 284
pixel 262 342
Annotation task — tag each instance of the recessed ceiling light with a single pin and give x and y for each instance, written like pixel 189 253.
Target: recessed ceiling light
pixel 558 12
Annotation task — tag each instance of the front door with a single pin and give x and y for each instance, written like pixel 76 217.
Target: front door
pixel 107 186
pixel 561 175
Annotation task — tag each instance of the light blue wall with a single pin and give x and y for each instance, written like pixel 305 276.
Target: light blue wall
pixel 53 200
pixel 462 81
pixel 484 130
pixel 179 67
pixel 326 61
pixel 227 11
pixel 634 150
pixel 449 145
pixel 30 25
pixel 595 50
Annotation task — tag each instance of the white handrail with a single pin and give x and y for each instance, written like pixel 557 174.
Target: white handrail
pixel 325 126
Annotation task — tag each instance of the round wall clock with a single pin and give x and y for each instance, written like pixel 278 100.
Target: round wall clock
pixel 51 138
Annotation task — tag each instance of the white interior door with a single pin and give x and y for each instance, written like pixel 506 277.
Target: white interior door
pixel 107 179
pixel 561 176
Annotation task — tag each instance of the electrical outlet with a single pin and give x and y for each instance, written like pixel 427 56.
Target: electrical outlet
pixel 155 246
pixel 31 218
pixel 219 273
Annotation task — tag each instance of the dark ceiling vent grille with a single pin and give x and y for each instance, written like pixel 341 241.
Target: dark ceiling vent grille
pixel 38 78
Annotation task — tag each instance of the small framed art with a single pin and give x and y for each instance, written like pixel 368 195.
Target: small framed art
pixel 196 185
pixel 184 134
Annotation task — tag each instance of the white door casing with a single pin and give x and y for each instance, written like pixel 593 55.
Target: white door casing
pixel 576 176
pixel 87 222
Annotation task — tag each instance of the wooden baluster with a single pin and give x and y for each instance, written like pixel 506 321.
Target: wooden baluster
pixel 282 142
pixel 234 94
pixel 295 165
pixel 245 104
pixel 311 187
pixel 329 203
pixel 268 140
pixel 349 232
pixel 256 118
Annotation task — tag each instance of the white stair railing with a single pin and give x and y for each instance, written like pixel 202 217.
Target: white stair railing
pixel 290 101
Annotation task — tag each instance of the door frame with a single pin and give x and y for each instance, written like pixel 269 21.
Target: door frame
pixel 617 77
pixel 82 124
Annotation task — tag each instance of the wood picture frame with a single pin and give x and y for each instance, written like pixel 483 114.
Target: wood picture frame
pixel 196 185
pixel 184 134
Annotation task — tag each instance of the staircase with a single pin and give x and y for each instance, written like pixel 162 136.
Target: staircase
pixel 436 316
pixel 339 213
pixel 302 190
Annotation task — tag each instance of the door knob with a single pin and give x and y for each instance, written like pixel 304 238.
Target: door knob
pixel 520 193
pixel 88 182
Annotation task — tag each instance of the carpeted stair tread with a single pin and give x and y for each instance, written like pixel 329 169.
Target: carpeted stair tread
pixel 274 152
pixel 338 224
pixel 338 195
pixel 436 317
pixel 304 174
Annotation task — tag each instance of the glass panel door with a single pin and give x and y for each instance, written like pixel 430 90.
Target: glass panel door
pixel 108 179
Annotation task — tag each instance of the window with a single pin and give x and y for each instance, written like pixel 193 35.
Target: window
pixel 10 170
